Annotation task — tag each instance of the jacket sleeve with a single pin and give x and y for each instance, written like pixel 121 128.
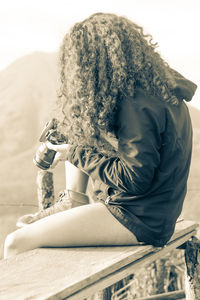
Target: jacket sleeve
pixel 133 169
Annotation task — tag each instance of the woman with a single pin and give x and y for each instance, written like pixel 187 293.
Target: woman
pixel 128 128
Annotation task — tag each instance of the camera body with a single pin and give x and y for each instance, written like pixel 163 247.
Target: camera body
pixel 44 156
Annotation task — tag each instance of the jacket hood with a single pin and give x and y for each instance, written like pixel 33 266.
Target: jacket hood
pixel 184 88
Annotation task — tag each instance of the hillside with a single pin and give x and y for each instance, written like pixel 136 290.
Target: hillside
pixel 27 91
pixel 27 94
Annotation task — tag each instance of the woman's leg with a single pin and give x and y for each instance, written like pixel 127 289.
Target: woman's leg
pixel 76 180
pixel 87 225
pixel 76 185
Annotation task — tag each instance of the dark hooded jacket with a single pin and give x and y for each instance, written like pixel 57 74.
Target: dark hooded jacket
pixel 145 184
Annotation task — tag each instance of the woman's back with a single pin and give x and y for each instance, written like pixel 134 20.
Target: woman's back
pixel 155 141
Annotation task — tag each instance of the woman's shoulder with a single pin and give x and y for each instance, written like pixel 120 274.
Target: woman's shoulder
pixel 142 101
pixel 141 111
pixel 144 98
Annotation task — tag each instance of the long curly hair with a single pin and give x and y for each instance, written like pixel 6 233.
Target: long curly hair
pixel 102 60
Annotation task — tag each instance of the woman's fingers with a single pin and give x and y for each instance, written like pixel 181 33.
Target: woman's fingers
pixel 58 157
pixel 61 152
pixel 58 148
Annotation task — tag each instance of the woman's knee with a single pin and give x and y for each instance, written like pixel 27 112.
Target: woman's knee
pixel 11 245
pixel 15 243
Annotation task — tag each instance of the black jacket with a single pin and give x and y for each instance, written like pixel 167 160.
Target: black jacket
pixel 144 185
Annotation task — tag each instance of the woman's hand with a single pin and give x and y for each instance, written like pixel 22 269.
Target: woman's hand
pixel 61 152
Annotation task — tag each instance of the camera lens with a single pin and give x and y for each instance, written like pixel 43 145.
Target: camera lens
pixel 44 157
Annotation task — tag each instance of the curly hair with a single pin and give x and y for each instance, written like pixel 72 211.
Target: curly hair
pixel 102 60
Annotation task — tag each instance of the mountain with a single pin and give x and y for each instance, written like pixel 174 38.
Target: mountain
pixel 195 116
pixel 27 92
pixel 27 95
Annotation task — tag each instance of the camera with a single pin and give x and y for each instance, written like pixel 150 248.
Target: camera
pixel 44 156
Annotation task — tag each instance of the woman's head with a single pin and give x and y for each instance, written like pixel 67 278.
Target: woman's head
pixel 103 59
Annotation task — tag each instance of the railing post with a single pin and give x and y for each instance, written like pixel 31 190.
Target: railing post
pixel 192 260
pixel 45 189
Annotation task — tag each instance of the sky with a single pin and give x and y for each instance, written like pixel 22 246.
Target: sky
pixel 39 25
